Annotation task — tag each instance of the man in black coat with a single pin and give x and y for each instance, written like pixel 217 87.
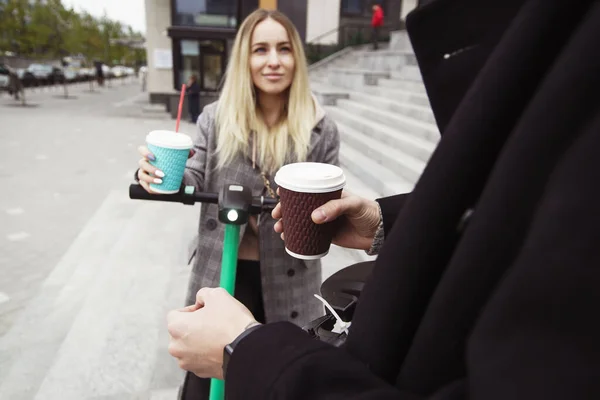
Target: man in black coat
pixel 487 284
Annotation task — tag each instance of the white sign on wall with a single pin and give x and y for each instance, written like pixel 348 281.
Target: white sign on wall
pixel 163 59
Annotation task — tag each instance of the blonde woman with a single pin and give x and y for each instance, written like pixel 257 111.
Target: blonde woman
pixel 266 117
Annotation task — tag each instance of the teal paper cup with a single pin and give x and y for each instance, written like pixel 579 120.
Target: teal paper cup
pixel 171 150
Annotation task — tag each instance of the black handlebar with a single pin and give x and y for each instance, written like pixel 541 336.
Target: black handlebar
pixel 137 192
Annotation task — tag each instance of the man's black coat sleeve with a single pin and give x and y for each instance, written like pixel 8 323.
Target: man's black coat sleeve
pixel 549 294
pixel 390 208
pixel 280 361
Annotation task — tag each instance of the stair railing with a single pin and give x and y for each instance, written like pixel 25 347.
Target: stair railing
pixel 350 34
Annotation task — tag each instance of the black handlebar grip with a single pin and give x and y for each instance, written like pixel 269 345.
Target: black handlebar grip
pixel 137 192
pixel 269 201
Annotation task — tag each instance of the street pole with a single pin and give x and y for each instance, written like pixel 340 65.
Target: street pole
pixel 107 52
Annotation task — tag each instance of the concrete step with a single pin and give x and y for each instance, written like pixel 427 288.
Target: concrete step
pixel 399 161
pixel 396 94
pixel 410 126
pixel 385 60
pixel 380 178
pixel 328 95
pixel 331 58
pixel 138 114
pixel 409 73
pixel 358 187
pixel 336 64
pixel 392 138
pixel 399 40
pixel 419 112
pixel 84 336
pixel 399 95
pixel 354 78
pixel 344 61
pixel 409 86
pixel 154 109
pixel 137 111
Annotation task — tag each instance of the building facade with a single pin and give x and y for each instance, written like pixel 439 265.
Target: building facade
pixel 185 37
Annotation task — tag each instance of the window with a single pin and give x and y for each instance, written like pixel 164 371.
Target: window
pixel 358 8
pixel 190 60
pixel 352 7
pixel 207 13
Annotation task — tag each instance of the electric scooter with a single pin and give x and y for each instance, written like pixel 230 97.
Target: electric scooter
pixel 341 291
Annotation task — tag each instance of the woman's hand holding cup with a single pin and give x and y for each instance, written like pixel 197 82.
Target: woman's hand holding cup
pixel 147 173
pixel 163 162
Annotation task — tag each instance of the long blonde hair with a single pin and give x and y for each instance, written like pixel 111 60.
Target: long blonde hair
pixel 237 113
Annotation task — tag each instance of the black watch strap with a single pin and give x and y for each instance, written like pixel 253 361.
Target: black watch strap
pixel 228 351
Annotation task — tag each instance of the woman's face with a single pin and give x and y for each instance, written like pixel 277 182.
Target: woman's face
pixel 272 63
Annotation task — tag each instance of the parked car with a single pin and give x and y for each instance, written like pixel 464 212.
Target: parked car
pixel 57 77
pixel 107 71
pixel 4 78
pixel 42 73
pixel 87 74
pixel 70 74
pixel 119 71
pixel 27 78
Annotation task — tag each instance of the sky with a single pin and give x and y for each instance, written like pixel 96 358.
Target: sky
pixel 128 12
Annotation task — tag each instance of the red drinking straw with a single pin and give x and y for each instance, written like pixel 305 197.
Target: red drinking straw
pixel 180 106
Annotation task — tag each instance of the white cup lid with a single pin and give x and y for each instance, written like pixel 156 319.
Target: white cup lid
pixel 170 140
pixel 311 177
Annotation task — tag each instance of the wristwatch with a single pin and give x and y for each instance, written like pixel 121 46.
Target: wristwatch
pixel 228 350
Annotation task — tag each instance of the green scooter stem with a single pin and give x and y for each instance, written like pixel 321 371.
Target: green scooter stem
pixel 228 272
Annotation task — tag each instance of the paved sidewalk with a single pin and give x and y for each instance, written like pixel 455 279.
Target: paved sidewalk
pixel 87 275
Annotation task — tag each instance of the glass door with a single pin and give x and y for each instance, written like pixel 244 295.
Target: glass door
pixel 212 60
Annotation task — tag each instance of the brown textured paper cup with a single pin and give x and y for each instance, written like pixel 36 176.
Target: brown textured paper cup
pixel 303 238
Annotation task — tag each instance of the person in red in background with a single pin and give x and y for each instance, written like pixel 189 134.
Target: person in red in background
pixel 376 23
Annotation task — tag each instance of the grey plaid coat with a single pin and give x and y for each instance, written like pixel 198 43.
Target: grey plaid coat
pixel 288 283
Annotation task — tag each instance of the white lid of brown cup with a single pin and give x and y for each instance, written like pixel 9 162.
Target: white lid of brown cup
pixel 170 140
pixel 310 177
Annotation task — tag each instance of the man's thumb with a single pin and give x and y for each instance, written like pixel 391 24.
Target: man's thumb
pixel 329 211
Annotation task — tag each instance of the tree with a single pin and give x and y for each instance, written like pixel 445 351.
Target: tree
pixel 14 18
pixel 47 29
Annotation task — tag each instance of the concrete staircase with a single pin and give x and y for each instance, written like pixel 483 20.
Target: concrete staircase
pixel 379 102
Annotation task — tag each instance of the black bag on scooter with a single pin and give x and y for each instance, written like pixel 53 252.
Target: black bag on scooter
pixel 342 292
